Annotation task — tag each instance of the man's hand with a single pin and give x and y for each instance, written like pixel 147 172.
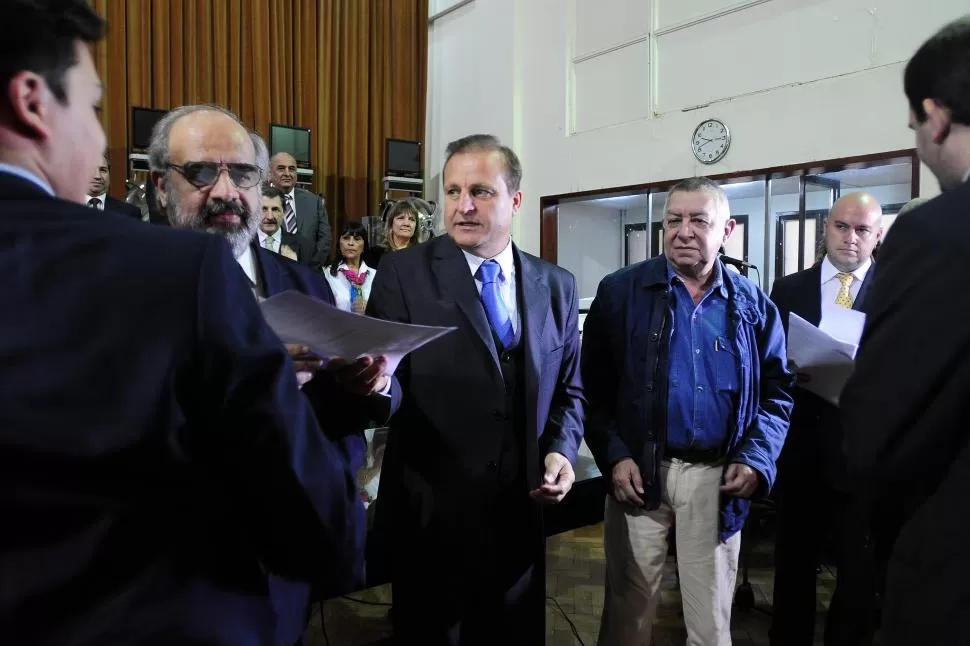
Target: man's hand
pixel 557 481
pixel 363 376
pixel 740 481
pixel 627 482
pixel 304 363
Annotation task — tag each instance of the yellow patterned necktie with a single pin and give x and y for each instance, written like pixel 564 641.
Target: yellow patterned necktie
pixel 845 296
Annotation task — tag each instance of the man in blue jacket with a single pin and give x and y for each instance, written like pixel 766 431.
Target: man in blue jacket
pixel 684 366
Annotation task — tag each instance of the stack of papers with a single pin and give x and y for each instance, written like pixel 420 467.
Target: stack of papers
pixel 824 356
pixel 331 333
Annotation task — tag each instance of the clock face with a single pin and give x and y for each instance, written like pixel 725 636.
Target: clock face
pixel 711 141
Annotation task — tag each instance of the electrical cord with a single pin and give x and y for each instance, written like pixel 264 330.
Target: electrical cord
pixel 569 621
pixel 365 601
pixel 323 625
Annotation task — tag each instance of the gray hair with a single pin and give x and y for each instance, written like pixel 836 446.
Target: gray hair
pixel 695 184
pixel 158 149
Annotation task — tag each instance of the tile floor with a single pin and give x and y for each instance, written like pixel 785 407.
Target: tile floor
pixel 574 575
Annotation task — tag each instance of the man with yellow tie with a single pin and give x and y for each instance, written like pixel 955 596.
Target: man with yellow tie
pixel 812 491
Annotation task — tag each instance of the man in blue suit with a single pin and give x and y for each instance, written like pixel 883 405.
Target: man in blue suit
pixel 159 467
pixel 685 371
pixel 491 417
pixel 196 193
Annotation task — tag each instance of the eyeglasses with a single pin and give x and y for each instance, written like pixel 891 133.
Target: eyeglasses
pixel 205 174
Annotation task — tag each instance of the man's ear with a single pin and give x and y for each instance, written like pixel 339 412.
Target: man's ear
pixel 939 120
pixel 30 101
pixel 158 179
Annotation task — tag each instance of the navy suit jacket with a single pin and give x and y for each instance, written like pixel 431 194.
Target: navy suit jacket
pixel 158 464
pixel 440 463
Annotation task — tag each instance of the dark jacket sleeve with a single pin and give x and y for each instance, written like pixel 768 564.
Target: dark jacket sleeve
pixel 324 234
pixel 295 492
pixel 905 408
pixel 564 430
pixel 600 376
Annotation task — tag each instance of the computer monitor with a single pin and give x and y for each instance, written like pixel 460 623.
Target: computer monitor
pixel 290 139
pixel 403 158
pixel 142 122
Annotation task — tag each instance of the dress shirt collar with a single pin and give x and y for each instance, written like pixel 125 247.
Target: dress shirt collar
pixel 23 173
pixel 830 271
pixel 278 236
pixel 103 197
pixel 247 261
pixel 716 282
pixel 505 259
pixel 361 269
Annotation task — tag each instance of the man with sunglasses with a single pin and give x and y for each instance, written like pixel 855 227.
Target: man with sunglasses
pixel 158 463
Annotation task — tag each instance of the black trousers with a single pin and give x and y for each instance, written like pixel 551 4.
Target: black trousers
pixel 811 515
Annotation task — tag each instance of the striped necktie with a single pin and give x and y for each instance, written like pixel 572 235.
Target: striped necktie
pixel 289 217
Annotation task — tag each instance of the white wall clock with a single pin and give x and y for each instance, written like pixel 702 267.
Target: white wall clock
pixel 710 141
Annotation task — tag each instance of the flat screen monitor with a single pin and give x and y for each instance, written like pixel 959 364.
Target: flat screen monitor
pixel 142 122
pixel 290 139
pixel 403 158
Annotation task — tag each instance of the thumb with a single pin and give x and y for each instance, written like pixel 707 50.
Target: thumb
pixel 637 480
pixel 553 467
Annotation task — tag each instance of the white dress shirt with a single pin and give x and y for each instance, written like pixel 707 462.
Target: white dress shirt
pixel 275 243
pixel 506 261
pixel 831 283
pixel 248 264
pixel 101 198
pixel 23 173
pixel 340 286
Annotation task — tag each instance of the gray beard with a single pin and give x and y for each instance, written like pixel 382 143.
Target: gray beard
pixel 237 237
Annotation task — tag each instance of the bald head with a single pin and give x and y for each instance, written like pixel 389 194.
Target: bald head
pixel 852 230
pixel 282 171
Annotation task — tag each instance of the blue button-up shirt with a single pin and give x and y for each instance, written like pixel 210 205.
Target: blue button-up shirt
pixel 703 377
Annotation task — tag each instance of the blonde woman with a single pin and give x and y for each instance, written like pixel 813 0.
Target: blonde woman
pixel 400 228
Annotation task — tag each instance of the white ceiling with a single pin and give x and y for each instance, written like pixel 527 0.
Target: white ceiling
pixel 885 175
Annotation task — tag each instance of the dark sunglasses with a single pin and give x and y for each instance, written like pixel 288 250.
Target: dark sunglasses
pixel 205 174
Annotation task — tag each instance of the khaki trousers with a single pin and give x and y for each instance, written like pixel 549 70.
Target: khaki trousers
pixel 636 548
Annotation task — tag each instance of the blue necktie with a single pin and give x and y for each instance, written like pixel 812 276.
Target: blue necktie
pixel 498 315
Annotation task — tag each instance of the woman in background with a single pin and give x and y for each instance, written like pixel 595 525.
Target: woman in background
pixel 400 228
pixel 349 276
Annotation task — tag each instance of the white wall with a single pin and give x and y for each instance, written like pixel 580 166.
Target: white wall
pixel 603 93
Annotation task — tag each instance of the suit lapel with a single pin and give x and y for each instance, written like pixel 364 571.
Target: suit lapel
pixel 456 282
pixel 860 297
pixel 266 271
pixel 810 295
pixel 533 304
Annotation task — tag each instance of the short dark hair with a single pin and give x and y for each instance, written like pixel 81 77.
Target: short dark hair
pixel 272 192
pixel 940 70
pixel 489 143
pixel 44 39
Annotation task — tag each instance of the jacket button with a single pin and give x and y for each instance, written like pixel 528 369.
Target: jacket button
pixel 506 356
pixel 650 387
pixel 654 337
pixel 497 414
pixel 492 466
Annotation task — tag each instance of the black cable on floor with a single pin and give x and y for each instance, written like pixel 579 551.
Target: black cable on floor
pixel 365 601
pixel 568 621
pixel 323 626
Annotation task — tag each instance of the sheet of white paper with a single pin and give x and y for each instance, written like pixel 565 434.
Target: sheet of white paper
pixel 843 324
pixel 329 332
pixel 824 363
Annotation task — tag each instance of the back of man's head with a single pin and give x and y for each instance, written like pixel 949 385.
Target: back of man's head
pixel 940 70
pixel 42 37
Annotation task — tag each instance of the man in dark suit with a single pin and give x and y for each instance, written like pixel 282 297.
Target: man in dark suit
pixel 273 237
pixel 158 464
pixel 814 497
pixel 98 197
pixel 491 417
pixel 906 406
pixel 304 213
